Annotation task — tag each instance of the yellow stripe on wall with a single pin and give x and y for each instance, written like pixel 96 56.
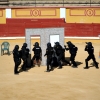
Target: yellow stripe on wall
pixel 2 16
pixel 83 15
pixel 36 13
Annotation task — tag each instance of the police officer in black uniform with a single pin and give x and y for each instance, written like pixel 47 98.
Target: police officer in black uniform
pixel 37 54
pixel 90 49
pixel 73 51
pixel 49 54
pixel 17 58
pixel 28 55
pixel 24 53
pixel 59 50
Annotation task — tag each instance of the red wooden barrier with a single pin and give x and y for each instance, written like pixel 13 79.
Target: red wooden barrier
pixel 16 27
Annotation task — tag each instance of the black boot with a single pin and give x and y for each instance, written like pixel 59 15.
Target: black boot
pixel 86 64
pixel 86 67
pixel 60 65
pixel 96 65
pixel 16 72
pixel 48 68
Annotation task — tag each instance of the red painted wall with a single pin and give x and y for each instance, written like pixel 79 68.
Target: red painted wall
pixel 16 27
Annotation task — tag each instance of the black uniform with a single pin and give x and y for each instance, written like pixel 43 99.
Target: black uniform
pixel 24 54
pixel 60 54
pixel 28 55
pixel 37 53
pixel 17 58
pixel 90 49
pixel 73 51
pixel 49 53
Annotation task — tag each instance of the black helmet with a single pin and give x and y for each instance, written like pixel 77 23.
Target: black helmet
pixel 48 44
pixel 57 43
pixel 89 43
pixel 25 44
pixel 36 44
pixel 16 47
pixel 69 42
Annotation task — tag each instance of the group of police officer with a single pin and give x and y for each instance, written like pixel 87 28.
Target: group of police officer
pixel 24 55
pixel 55 56
pixel 20 54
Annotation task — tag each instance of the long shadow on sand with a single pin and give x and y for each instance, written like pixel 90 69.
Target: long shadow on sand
pixel 21 70
pixel 93 65
pixel 77 62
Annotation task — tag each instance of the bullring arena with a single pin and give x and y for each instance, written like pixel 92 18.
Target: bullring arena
pixel 67 83
pixel 62 84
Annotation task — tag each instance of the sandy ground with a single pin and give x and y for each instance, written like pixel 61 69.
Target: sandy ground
pixel 61 84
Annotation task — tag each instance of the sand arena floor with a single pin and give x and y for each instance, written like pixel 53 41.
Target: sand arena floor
pixel 61 84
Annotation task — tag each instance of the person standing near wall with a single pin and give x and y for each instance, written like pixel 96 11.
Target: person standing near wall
pixel 37 54
pixel 49 54
pixel 60 51
pixel 17 58
pixel 24 56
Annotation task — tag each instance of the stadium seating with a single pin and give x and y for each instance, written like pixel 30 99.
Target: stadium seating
pixel 50 3
pixel 4 3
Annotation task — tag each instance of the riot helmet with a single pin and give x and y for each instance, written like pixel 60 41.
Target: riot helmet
pixel 89 43
pixel 69 42
pixel 36 44
pixel 48 44
pixel 57 43
pixel 16 47
pixel 24 44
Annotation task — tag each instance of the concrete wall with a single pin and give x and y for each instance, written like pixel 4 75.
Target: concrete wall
pixel 44 38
